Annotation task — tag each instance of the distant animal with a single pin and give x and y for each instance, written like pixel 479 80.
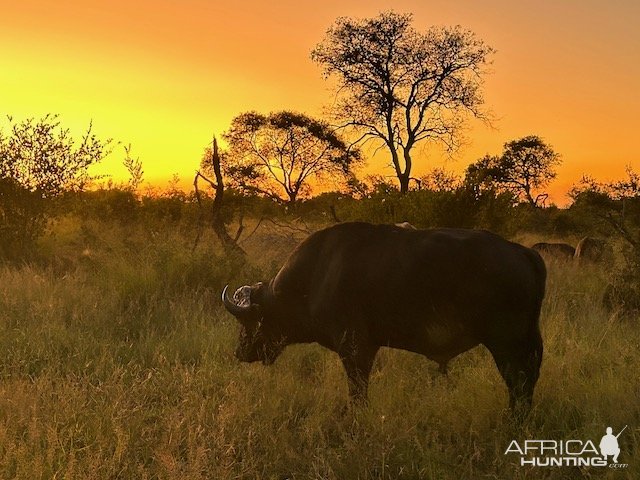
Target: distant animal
pixel 561 251
pixel 589 249
pixel 356 287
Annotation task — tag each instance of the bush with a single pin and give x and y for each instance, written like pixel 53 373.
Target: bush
pixel 22 220
pixel 623 293
pixel 457 208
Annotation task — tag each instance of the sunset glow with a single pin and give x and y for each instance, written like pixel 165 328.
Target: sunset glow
pixel 167 75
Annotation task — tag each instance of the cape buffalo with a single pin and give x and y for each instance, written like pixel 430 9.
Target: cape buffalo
pixel 561 251
pixel 356 287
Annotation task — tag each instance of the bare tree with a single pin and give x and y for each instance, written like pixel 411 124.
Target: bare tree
pixel 399 86
pixel 211 162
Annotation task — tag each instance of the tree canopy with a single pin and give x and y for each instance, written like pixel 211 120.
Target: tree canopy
pixel 525 166
pixel 399 86
pixel 277 155
pixel 42 156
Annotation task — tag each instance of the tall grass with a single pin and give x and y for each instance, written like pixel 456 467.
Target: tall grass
pixel 117 363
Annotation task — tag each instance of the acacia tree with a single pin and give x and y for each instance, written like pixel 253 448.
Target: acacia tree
pixel 399 86
pixel 276 155
pixel 527 164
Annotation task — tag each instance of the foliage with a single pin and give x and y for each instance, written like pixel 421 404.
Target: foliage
pixel 118 205
pixel 615 204
pixel 614 207
pixel 41 156
pixel 277 155
pixel 425 208
pixel 440 180
pixel 39 160
pixel 22 219
pixel 399 87
pixel 134 168
pixel 623 292
pixel 527 164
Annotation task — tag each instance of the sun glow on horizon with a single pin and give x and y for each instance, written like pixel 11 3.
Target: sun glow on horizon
pixel 165 76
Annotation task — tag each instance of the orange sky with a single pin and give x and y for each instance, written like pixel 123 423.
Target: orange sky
pixel 165 75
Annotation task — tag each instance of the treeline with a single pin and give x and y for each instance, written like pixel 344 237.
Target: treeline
pixel 398 88
pixel 593 211
pixel 44 174
pixel 610 211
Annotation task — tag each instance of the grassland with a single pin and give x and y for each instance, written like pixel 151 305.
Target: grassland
pixel 117 363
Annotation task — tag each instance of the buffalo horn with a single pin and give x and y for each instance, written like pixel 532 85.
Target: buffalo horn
pixel 231 306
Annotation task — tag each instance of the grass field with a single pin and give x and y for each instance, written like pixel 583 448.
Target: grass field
pixel 117 363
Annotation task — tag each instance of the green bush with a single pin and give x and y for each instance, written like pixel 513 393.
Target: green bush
pixel 22 220
pixel 623 292
pixel 457 208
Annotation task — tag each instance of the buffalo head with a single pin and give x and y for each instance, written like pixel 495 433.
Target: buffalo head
pixel 260 337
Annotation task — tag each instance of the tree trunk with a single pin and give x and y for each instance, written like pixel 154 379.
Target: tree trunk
pixel 532 201
pixel 217 221
pixel 405 177
pixel 404 182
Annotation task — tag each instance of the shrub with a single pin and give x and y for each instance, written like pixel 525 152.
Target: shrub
pixel 22 219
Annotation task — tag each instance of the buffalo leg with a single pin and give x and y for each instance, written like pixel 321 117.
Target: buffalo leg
pixel 357 364
pixel 519 366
